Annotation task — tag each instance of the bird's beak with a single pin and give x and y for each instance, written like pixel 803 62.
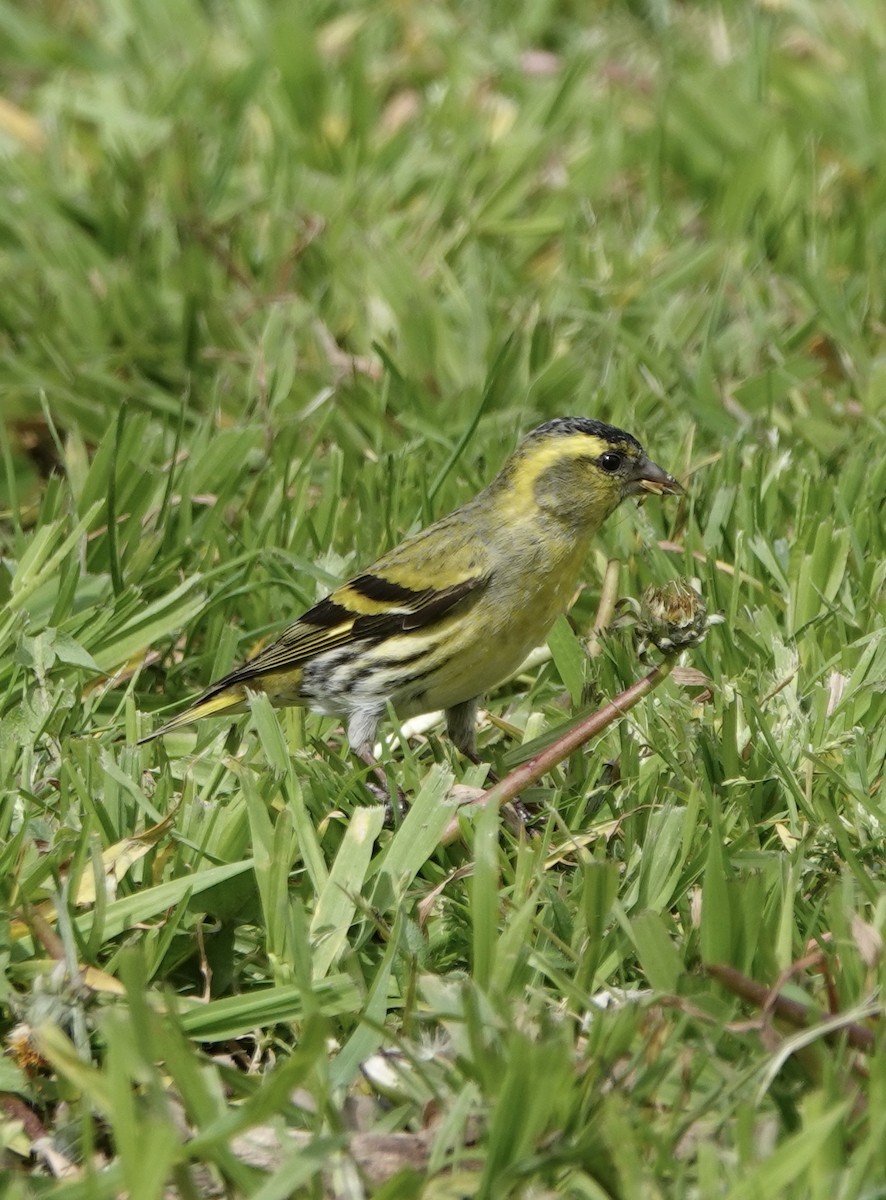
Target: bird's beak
pixel 648 476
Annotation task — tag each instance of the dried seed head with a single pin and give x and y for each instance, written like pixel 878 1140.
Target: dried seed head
pixel 673 617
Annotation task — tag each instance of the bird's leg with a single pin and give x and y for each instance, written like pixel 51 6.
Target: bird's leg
pixel 380 787
pixel 461 726
pixel 361 736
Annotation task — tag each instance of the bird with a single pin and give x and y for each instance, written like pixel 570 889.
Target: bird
pixel 440 619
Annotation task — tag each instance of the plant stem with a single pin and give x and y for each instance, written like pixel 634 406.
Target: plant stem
pixel 530 772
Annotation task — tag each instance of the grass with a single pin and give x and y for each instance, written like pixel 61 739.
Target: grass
pixel 282 283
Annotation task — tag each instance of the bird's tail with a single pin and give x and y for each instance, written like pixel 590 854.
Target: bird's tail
pixel 224 700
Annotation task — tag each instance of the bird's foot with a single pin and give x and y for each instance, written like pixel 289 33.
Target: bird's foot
pixel 382 790
pixel 394 801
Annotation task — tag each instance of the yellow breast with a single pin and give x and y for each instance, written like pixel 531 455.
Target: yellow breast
pixel 474 654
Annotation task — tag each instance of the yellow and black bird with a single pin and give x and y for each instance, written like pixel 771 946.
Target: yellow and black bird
pixel 454 610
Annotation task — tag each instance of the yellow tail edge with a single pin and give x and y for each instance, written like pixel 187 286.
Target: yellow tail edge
pixel 229 701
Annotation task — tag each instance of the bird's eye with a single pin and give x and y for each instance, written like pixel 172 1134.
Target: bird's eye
pixel 610 461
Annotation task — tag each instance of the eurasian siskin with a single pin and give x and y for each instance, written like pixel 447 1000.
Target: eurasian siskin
pixel 452 611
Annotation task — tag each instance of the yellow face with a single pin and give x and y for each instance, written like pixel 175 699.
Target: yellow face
pixel 578 471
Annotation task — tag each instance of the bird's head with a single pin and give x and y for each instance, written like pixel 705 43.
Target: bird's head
pixel 578 470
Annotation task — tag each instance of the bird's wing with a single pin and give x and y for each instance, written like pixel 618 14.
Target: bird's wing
pixel 370 607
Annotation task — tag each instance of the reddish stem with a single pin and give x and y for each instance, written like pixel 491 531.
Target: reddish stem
pixel 530 772
pixel 792 1011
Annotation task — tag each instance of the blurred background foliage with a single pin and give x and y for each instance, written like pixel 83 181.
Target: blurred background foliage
pixel 282 282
